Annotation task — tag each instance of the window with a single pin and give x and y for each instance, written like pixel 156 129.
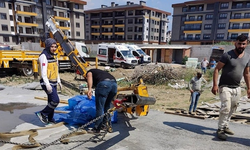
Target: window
pixel 78 15
pixel 76 6
pixel 246 34
pixel 10 6
pixel 4 27
pixel 248 5
pixel 6 39
pixel 153 13
pixel 20 29
pixel 130 12
pixel 239 5
pixel 130 21
pixel 191 18
pixel 220 36
pixel 14 39
pixel 237 16
pixel 199 18
pixel 184 9
pixel 197 36
pixel 236 26
pixel 48 2
pixel 3 16
pixel 247 15
pixel 207 26
pixel 130 29
pixel 206 36
pixel 190 36
pixel 11 17
pixel 192 8
pixel 234 35
pixel 129 37
pixel 28 30
pixel 223 16
pixel 200 8
pixel 246 26
pixel 78 25
pixel 102 51
pixel 12 29
pixel 224 5
pixel 221 26
pixel 209 16
pixel 210 6
pixel 78 34
pixel 2 4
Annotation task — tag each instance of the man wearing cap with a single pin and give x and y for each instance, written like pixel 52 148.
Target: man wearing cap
pixel 49 73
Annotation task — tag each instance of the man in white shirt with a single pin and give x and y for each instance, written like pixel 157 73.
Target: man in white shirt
pixel 204 64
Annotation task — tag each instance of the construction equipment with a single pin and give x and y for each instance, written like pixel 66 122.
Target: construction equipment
pixel 138 102
pixel 65 47
pixel 24 61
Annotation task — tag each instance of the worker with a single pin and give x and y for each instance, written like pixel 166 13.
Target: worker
pixel 195 90
pixel 204 64
pixel 49 79
pixel 105 90
pixel 234 64
pixel 212 63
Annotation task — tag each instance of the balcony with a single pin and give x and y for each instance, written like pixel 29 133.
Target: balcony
pixel 61 18
pixel 191 38
pixel 239 29
pixel 240 18
pixel 27 24
pixel 240 6
pixel 24 13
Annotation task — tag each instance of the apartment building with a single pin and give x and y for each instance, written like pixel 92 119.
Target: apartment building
pixel 134 23
pixel 210 21
pixel 24 20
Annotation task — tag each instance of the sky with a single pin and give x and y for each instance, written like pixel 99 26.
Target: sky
pixel 165 5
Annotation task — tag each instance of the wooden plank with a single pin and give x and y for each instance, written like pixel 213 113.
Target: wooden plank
pixel 186 115
pixel 42 98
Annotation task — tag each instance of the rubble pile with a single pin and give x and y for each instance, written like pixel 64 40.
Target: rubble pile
pixel 157 74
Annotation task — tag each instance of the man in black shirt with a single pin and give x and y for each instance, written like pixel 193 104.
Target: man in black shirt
pixel 105 90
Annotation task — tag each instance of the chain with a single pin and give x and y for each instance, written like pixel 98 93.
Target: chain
pixel 80 128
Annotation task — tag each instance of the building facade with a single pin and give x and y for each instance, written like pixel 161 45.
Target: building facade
pixel 24 20
pixel 135 23
pixel 208 22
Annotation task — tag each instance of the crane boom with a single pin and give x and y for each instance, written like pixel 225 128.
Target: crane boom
pixel 78 62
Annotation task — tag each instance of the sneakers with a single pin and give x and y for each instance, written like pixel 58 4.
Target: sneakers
pixel 228 131
pixel 42 117
pixel 52 121
pixel 221 134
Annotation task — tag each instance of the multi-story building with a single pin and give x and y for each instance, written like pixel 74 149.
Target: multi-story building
pixel 136 23
pixel 210 21
pixel 24 20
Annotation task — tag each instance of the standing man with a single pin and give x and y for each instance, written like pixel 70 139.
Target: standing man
pixel 49 79
pixel 105 91
pixel 195 89
pixel 204 64
pixel 234 64
pixel 212 64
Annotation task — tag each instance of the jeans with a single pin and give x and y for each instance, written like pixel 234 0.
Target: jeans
pixel 105 91
pixel 204 69
pixel 229 101
pixel 53 101
pixel 194 100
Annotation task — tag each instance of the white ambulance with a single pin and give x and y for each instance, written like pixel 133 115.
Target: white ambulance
pixel 116 55
pixel 138 52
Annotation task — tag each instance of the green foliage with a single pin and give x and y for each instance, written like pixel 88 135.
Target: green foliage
pixel 184 60
pixel 189 74
pixel 124 83
pixel 224 43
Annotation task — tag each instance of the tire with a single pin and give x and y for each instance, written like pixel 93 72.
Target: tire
pixel 123 65
pixel 28 72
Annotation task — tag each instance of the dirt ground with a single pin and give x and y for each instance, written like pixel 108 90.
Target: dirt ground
pixel 166 97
